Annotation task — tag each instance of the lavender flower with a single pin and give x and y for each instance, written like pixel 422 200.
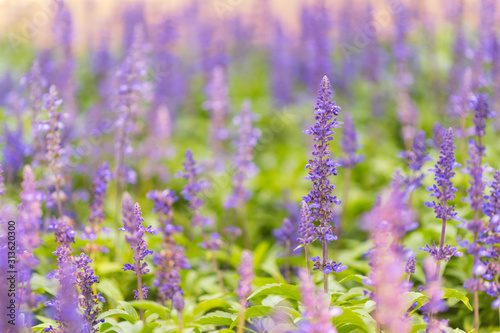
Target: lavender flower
pixel 482 112
pixel 131 89
pixel 191 191
pixel 66 304
pixel 388 223
pixel 54 147
pixel 245 270
pixel 282 70
pixel 285 235
pixel 30 214
pixel 476 225
pixel 415 158
pixel 88 300
pixel 244 167
pixel 14 150
pixel 349 144
pixel 317 315
pixel 444 192
pixel 217 104
pixel 171 258
pixel 435 293
pixel 133 224
pixel 410 265
pixel 306 225
pixel 476 189
pixel 321 168
pixel 101 180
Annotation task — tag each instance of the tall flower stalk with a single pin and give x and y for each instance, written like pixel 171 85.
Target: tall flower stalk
pixel 491 241
pixel 30 214
pixel 218 104
pixel 130 76
pixel 317 315
pixel 133 224
pixel 388 223
pixel 171 259
pixel 88 300
pixel 245 270
pixel 243 166
pixel 321 168
pixel 476 225
pixel 444 192
pixel 191 192
pixel 306 231
pixel 94 227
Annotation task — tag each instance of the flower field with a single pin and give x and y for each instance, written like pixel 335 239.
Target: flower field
pixel 250 166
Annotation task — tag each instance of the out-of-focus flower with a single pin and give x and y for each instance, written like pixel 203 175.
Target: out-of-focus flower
pixel 349 144
pixel 171 258
pixel 306 225
pixel 479 105
pixel 317 315
pixel 53 143
pixel 415 158
pixel 243 165
pixel 218 104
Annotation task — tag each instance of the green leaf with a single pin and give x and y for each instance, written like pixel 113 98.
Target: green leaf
pixel 130 309
pixel 349 318
pixel 206 306
pixel 217 318
pixel 110 289
pixel 354 277
pixel 412 297
pixel 151 306
pixel 280 289
pixel 118 313
pixel 453 293
pixel 45 320
pixel 41 327
pixel 418 327
pixel 105 326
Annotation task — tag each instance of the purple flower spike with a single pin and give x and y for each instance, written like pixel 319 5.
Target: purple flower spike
pixel 133 224
pixel 218 104
pixel 479 105
pixel 191 192
pixel 242 163
pixel 286 234
pixel 306 225
pixel 349 144
pixel 443 253
pixel 245 270
pixel 317 315
pixel 443 190
pixel 435 293
pixel 476 189
pixel 85 279
pixel 101 180
pixel 322 167
pixel 53 143
pixel 410 265
pixel 30 214
pixel 415 159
